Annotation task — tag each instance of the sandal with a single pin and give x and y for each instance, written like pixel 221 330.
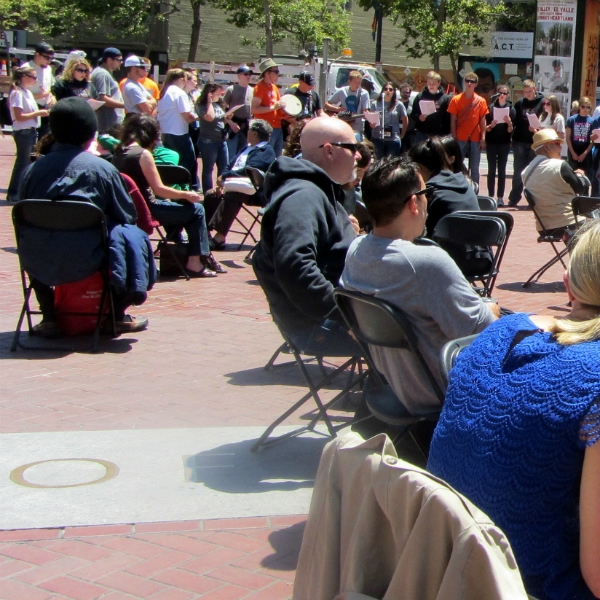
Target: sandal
pixel 205 272
pixel 210 262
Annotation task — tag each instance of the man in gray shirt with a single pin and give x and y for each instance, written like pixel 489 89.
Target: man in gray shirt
pixel 239 94
pixel 423 281
pixel 112 112
pixel 351 99
pixel 136 97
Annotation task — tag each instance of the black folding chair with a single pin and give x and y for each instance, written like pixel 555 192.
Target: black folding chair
pixel 450 353
pixel 487 203
pixel 476 242
pixel 58 242
pixel 377 323
pixel 544 237
pixel 585 206
pixel 175 175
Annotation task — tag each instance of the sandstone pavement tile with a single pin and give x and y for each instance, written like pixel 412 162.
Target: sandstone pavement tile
pixel 73 588
pixel 15 590
pixel 131 584
pixel 103 567
pixel 147 568
pixel 239 523
pixel 241 577
pixel 10 567
pixel 208 562
pixel 15 535
pixel 279 590
pixel 288 573
pixel 237 542
pixel 187 544
pixel 135 547
pixel 96 530
pixel 174 594
pixel 119 596
pixel 62 566
pixel 187 581
pixel 226 592
pixel 77 548
pixel 29 553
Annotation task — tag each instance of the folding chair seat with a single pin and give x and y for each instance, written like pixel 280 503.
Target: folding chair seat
pixel 487 203
pixel 147 223
pixel 59 242
pixel 355 376
pixel 476 241
pixel 585 206
pixel 375 322
pixel 450 353
pixel 544 238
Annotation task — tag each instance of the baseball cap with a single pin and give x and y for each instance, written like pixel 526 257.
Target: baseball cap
pixel 134 61
pixel 111 53
pixel 44 48
pixel 307 78
pixel 244 69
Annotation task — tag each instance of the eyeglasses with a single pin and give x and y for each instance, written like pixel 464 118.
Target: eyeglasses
pixel 30 76
pixel 471 81
pixel 276 71
pixel 346 145
pixel 82 70
pixel 47 56
pixel 427 191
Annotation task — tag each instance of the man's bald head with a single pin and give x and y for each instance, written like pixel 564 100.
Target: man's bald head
pixel 316 143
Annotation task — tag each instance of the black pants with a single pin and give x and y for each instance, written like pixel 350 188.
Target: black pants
pixel 221 211
pixel 497 155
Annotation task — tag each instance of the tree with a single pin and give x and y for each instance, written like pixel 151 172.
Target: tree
pixel 437 28
pixel 305 22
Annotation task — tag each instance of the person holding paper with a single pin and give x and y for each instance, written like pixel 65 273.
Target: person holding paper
pixel 75 81
pixel 211 140
pixel 175 113
pixel 430 110
pixel 530 103
pixel 551 117
pixel 499 130
pixel 393 122
pixel 579 142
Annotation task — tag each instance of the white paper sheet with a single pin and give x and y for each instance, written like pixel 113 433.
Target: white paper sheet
pixel 500 113
pixel 534 121
pixel 427 107
pixel 95 104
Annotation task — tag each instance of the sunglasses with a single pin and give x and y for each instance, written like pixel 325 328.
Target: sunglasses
pixel 388 89
pixel 346 145
pixel 30 76
pixel 546 103
pixel 506 94
pixel 585 106
pixel 47 56
pixel 82 70
pixel 427 191
pixel 471 81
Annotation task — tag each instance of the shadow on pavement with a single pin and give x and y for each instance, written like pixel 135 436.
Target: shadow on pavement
pixel 286 544
pixel 534 288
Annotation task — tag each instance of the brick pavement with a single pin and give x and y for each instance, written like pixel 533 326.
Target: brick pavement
pixel 198 365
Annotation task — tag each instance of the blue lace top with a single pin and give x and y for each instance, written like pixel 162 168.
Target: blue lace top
pixel 512 437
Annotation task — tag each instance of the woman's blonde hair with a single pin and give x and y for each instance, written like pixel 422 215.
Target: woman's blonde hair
pixel 172 76
pixel 68 73
pixel 584 282
pixel 19 73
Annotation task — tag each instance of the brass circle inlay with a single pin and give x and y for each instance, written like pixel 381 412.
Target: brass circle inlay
pixel 18 475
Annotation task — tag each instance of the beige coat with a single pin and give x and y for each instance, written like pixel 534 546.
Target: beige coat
pixel 384 528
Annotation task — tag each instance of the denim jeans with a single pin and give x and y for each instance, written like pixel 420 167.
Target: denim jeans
pixel 212 152
pixel 276 141
pixel 387 147
pixel 182 144
pixel 187 215
pixel 523 155
pixel 236 143
pixel 327 339
pixel 24 141
pixel 497 156
pixel 474 153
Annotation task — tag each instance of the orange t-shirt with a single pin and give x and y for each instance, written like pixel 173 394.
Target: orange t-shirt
pixel 148 83
pixel 269 94
pixel 468 121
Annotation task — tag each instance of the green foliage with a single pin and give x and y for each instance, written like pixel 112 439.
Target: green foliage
pixel 517 16
pixel 303 21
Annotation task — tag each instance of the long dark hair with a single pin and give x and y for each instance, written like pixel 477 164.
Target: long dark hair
pixel 453 150
pixel 395 95
pixel 431 154
pixel 142 129
pixel 209 88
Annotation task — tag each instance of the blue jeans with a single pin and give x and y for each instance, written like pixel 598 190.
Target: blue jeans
pixel 473 151
pixel 182 144
pixel 187 215
pixel 327 339
pixel 212 153
pixel 24 141
pixel 276 141
pixel 523 155
pixel 236 143
pixel 497 155
pixel 387 147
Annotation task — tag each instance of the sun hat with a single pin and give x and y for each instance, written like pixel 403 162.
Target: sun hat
pixel 544 136
pixel 269 63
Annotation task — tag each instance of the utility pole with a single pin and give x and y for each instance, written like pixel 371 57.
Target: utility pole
pixel 379 21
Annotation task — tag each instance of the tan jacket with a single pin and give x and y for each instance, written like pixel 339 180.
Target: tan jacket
pixel 381 527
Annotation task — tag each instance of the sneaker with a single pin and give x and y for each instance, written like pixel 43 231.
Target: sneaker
pixel 511 203
pixel 500 201
pixel 47 329
pixel 129 324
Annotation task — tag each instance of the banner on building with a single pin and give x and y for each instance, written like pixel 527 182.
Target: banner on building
pixel 511 44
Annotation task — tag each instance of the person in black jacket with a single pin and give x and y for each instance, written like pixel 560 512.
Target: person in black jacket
pixel 437 123
pixel 522 138
pixel 75 81
pixel 497 139
pixel 222 205
pixel 305 236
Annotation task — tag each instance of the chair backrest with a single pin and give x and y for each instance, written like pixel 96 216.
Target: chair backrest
pixel 174 175
pixel 587 206
pixel 450 353
pixel 144 221
pixel 362 216
pixel 60 241
pixel 378 323
pixel 531 201
pixel 487 203
pixel 257 177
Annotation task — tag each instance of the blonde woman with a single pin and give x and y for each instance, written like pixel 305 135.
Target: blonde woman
pixel 26 119
pixel 175 113
pixel 75 81
pixel 519 431
pixel 551 117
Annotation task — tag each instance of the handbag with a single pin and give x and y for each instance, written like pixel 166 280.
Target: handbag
pixel 168 257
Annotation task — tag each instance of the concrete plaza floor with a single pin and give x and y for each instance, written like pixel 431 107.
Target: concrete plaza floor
pixel 162 422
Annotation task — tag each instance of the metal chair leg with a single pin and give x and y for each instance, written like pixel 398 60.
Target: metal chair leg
pixel 535 277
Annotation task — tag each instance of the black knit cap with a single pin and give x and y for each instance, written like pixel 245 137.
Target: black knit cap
pixel 73 121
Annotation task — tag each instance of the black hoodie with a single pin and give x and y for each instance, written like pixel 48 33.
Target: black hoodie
pixel 523 107
pixel 499 134
pixel 437 123
pixel 304 239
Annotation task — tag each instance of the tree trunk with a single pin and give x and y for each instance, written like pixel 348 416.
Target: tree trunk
pixel 453 63
pixel 268 28
pixel 196 25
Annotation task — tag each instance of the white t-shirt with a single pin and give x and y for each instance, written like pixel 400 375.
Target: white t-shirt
pixel 45 79
pixel 558 125
pixel 23 99
pixel 170 106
